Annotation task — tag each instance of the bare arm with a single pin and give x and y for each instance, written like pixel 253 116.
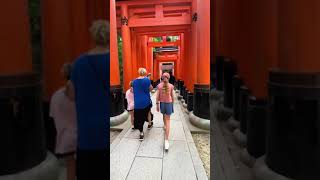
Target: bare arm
pixel 150 87
pixel 172 95
pixel 157 96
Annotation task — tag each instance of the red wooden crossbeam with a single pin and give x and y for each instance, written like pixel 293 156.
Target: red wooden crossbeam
pixel 133 11
pixel 144 2
pixel 163 44
pixel 162 29
pixel 162 21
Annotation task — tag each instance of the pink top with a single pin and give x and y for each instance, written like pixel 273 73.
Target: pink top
pixel 130 99
pixel 63 111
pixel 165 96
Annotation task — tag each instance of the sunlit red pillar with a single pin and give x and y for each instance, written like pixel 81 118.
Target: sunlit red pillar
pixel 193 47
pixel 185 67
pixel 126 40
pixel 144 52
pixel 201 106
pixel 181 57
pixel 134 55
pixel 116 106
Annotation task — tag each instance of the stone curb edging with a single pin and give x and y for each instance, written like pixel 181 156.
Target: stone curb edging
pixel 185 105
pixel 239 138
pixel 232 124
pixel 199 122
pixel 197 162
pixel 46 170
pixel 118 138
pixel 246 158
pixel 263 172
pixel 116 120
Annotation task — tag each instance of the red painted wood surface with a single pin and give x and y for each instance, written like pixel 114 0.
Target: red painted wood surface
pixel 203 43
pixel 15 56
pixel 114 62
pixel 65 30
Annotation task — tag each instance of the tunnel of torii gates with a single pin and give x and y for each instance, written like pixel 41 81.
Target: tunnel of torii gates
pixel 138 22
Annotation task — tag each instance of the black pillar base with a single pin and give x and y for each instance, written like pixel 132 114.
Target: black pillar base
pixel 180 85
pixel 182 90
pixel 219 73
pixel 190 101
pixel 201 101
pixel 243 100
pixel 256 125
pixel 293 128
pixel 21 130
pixel 185 95
pixel 236 84
pixel 229 70
pixel 116 101
pixel 49 126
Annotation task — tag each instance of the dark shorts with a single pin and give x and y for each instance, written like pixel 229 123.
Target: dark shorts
pixel 64 155
pixel 92 164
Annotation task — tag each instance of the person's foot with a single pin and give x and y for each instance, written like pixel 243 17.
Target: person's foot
pixel 132 128
pixel 141 136
pixel 166 144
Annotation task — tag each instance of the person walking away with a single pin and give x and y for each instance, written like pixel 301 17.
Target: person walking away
pixel 89 82
pixel 142 105
pixel 130 101
pixel 166 99
pixel 172 79
pixel 63 112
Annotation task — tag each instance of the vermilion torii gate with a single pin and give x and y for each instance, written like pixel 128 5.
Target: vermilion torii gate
pixel 138 21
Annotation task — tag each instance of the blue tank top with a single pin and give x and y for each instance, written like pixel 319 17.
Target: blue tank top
pixel 141 93
pixel 90 76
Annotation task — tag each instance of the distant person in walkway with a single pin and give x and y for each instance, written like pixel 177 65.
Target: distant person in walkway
pixel 166 99
pixel 172 79
pixel 63 112
pixel 89 82
pixel 142 101
pixel 130 101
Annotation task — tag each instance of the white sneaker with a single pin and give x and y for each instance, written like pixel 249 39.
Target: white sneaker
pixel 166 144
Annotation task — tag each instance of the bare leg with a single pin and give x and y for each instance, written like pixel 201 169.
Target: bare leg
pixel 164 121
pixel 167 120
pixel 132 118
pixel 71 168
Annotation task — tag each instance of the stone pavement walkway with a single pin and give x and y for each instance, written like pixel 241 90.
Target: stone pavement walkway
pixel 131 159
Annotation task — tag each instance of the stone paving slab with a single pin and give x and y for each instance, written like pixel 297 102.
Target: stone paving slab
pixel 122 158
pixel 144 168
pixel 177 163
pixel 176 131
pixel 152 146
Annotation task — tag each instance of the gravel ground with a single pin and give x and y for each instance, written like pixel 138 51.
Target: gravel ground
pixel 202 142
pixel 113 135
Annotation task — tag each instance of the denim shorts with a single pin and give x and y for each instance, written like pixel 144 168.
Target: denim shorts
pixel 166 108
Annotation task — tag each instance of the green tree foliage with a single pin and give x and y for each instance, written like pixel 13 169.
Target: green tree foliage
pixel 35 29
pixel 120 58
